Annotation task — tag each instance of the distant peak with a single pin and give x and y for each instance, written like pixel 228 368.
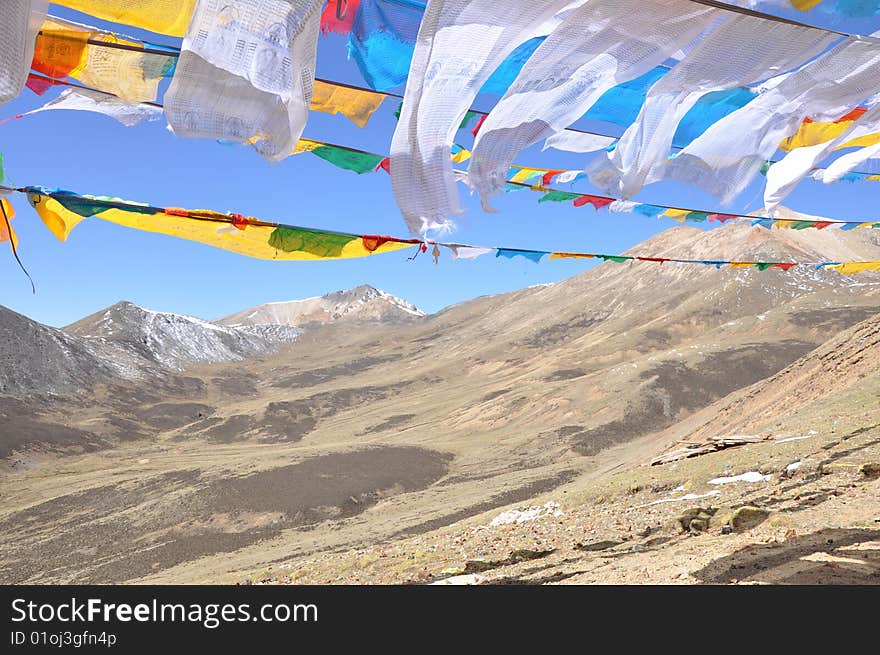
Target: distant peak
pixel 361 303
pixel 365 288
pixel 123 305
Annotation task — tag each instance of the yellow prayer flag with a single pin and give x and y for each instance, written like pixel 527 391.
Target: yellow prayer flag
pixel 848 268
pixel 163 16
pixel 6 231
pixel 462 155
pixel 306 145
pixel 524 173
pixel 358 105
pixel 570 255
pixel 676 214
pixel 131 75
pixel 862 142
pixel 63 50
pixel 814 133
pixel 252 241
pixel 59 220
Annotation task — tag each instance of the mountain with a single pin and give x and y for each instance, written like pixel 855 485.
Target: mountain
pixel 175 340
pixel 625 350
pixel 37 357
pixel 375 429
pixel 361 304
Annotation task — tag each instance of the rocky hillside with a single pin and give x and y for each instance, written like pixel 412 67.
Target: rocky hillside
pixel 174 340
pixel 36 357
pixel 841 378
pixel 363 303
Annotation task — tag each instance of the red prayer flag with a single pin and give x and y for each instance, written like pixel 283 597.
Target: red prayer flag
pixel 239 221
pixel 547 180
pixel 338 16
pixel 784 267
pixel 852 115
pixel 40 85
pixel 373 242
pixel 597 201
pixel 478 124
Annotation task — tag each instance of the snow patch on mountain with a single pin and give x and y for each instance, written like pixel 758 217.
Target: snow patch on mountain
pixel 363 303
pixel 175 340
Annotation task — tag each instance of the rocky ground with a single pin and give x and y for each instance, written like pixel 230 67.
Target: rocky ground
pixel 807 511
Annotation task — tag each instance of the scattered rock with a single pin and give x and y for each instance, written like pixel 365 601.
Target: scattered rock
pixel 597 545
pixel 696 519
pixel 870 470
pixel 515 557
pixel 711 445
pixel 837 467
pixel 478 566
pixel 746 518
pixel 697 526
pixel 524 555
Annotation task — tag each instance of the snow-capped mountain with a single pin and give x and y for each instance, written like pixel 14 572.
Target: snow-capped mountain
pixel 363 303
pixel 175 340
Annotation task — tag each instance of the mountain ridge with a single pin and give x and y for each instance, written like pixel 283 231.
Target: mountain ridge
pixel 361 303
pixel 175 340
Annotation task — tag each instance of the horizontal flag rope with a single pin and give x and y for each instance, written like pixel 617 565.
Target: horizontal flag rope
pixel 800 83
pixel 62 211
pixel 357 102
pixel 540 179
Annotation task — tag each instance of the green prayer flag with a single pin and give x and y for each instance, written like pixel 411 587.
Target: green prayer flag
pixel 322 244
pixel 615 258
pixel 468 117
pixel 91 205
pixel 359 162
pixel 802 225
pixel 558 196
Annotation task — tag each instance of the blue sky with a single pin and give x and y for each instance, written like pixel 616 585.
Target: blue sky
pixel 103 263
